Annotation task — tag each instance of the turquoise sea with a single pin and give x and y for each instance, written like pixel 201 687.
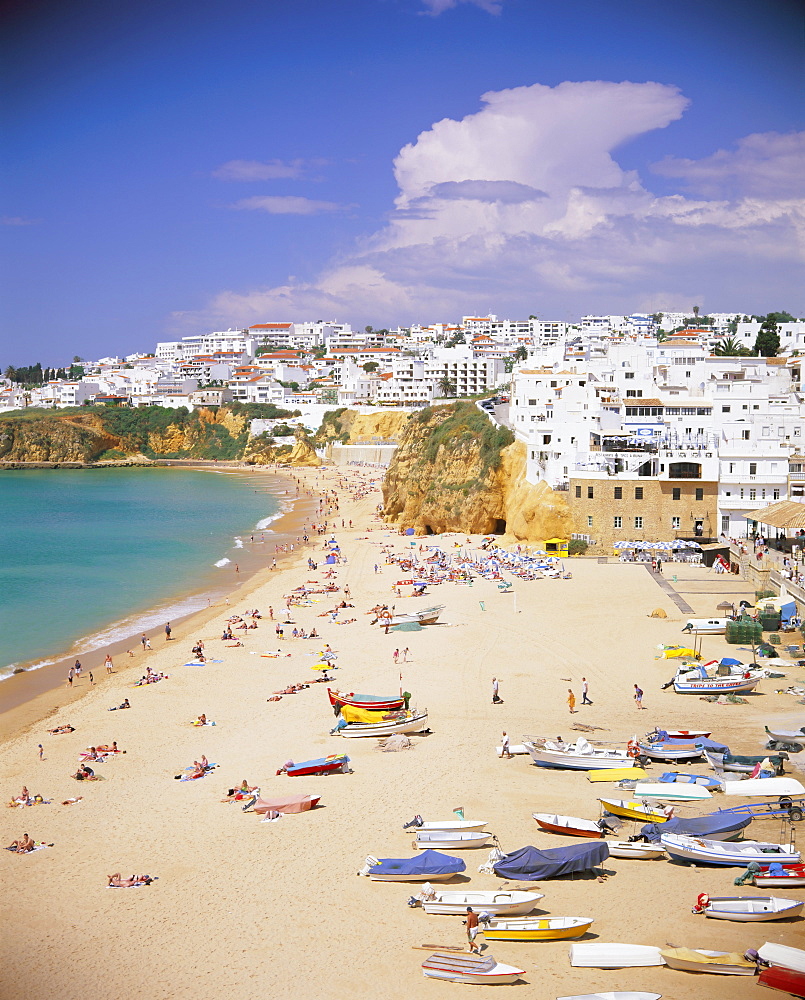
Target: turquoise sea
pixel 91 556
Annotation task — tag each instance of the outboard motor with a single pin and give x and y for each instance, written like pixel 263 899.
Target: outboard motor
pixel 416 821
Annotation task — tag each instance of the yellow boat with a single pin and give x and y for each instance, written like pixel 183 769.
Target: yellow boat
pixel 536 928
pixel 632 810
pixel 617 774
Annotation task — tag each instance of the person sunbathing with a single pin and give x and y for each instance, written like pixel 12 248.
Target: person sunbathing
pixel 23 845
pixel 71 802
pixel 84 773
pixel 119 882
pixel 201 720
pixel 125 704
pixel 245 788
pixel 109 749
pixel 197 771
pixel 62 729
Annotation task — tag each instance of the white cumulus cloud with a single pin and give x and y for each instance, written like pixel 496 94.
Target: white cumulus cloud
pixel 523 207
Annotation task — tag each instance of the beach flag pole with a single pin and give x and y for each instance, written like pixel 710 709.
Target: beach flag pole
pixel 459 812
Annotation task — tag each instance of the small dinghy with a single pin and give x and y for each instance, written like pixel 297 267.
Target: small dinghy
pixel 614 956
pixel 510 903
pixel 789 737
pixel 462 968
pixel 752 908
pixel 632 810
pixel 687 734
pixel 784 980
pixel 536 928
pixel 617 774
pixel 451 838
pixel 723 963
pixel 719 852
pixel 776 876
pixel 637 849
pixel 671 791
pixel 446 825
pixel 408 722
pixel 570 826
pixel 580 756
pixel 783 955
pixel 686 778
pixel 322 765
pixel 765 786
pixel 670 751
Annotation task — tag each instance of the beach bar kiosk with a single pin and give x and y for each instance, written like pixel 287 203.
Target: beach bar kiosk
pixel 556 547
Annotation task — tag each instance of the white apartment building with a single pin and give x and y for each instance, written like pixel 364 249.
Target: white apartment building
pixel 792 335
pixel 466 375
pixel 62 394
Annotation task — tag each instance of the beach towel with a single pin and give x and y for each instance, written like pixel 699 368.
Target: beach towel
pixel 187 777
pixel 39 846
pixel 136 885
pixel 197 723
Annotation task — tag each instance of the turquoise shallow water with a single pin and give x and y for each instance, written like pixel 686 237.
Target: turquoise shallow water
pixel 86 555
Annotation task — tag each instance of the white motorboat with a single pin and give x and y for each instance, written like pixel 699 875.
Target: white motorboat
pixel 786 876
pixel 463 968
pixel 492 901
pixel 706 626
pixel 600 955
pixel 615 995
pixel 752 908
pixel 669 751
pixel 579 756
pixel 671 791
pixel 783 955
pixel 696 680
pixel 764 786
pixel 413 723
pixel 450 839
pixel 640 850
pixel 691 735
pixel 722 963
pixel 427 616
pixel 449 825
pixel 720 852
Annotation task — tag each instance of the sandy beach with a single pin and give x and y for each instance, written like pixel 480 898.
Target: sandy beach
pixel 248 909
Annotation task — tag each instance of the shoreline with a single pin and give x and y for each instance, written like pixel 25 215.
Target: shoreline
pixel 39 687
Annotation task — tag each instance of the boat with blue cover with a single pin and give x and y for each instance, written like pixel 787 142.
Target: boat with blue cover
pixel 721 825
pixel 429 866
pixel 530 864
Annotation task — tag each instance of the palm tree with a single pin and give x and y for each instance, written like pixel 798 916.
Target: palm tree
pixel 447 386
pixel 731 348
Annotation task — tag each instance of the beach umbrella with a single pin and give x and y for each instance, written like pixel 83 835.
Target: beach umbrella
pixel 621 545
pixel 322 666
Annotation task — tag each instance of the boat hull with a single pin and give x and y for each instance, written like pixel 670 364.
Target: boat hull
pixel 537 929
pixel 784 980
pixel 675 791
pixel 692 965
pixel 432 839
pixel 559 759
pixel 632 810
pixel 544 823
pixel 340 763
pixel 369 703
pixel 361 730
pixel 508 903
pixel 614 956
pixel 717 852
pixel 795 878
pixel 638 851
pixel 670 751
pixel 753 909
pixel 717 685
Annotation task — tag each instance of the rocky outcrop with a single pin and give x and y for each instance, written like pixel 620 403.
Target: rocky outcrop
pixel 351 427
pixel 48 439
pixel 262 451
pixel 455 471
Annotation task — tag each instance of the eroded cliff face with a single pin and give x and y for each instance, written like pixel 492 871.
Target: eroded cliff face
pixel 453 478
pixel 301 453
pixel 352 427
pixel 50 439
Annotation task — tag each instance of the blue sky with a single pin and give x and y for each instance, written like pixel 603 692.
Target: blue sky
pixel 179 167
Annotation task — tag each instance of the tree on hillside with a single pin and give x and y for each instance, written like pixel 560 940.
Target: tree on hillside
pixel 731 348
pixel 371 366
pixel 696 311
pixel 767 343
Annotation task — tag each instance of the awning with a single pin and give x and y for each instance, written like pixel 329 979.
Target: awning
pixel 783 514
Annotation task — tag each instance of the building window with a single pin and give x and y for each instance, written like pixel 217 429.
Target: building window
pixel 725 524
pixel 578 491
pixel 700 494
pixel 638 493
pixel 617 522
pixel 753 494
pixel 753 468
pixel 589 520
pixel 676 523
pixel 638 522
pixel 628 374
pixel 776 495
pixel 745 435
pixel 742 493
pixel 676 493
pixel 590 492
pixel 619 493
pixel 725 409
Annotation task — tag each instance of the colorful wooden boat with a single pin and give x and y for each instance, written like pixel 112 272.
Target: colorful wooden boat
pixel 793 877
pixel 743 763
pixel 447 825
pixel 411 723
pixel 482 970
pixel 322 765
pixel 686 778
pixel 698 681
pixel 570 826
pixel 615 995
pixel 632 810
pixel 723 963
pixel 286 804
pixel 686 734
pixel 719 852
pixel 510 903
pixel 536 928
pixel 752 908
pixel 784 980
pixel 670 751
pixel 370 702
pixel 602 955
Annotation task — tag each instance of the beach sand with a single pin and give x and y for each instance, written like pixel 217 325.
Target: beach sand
pixel 247 909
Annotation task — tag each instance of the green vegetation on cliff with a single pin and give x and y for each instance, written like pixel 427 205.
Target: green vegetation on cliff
pixel 463 425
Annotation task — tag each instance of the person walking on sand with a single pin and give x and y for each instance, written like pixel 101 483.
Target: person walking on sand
pixel 495 691
pixel 108 663
pixel 585 691
pixel 396 655
pixel 143 640
pixel 638 696
pixel 571 701
pixel 505 750
pixel 41 752
pixel 167 631
pixel 405 653
pixel 91 679
pixel 70 677
pixel 471 924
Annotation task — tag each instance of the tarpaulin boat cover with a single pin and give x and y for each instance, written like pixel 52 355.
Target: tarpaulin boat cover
pixel 353 714
pixel 426 863
pixel 697 826
pixel 530 864
pixel 318 762
pixel 286 804
pixel 711 745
